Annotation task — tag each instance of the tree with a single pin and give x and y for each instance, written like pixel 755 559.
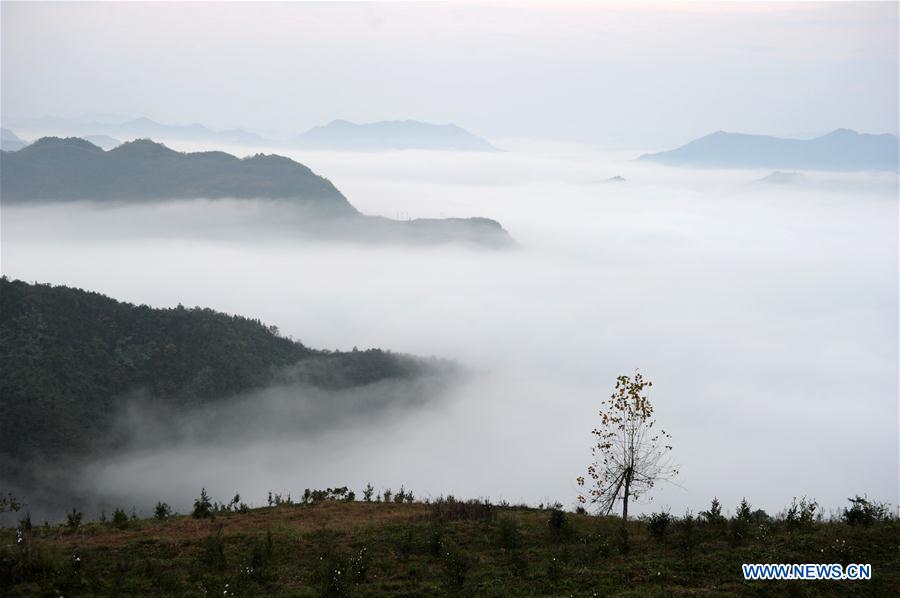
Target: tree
pixel 630 455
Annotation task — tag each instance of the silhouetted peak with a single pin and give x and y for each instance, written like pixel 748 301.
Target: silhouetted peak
pixel 144 147
pixel 68 142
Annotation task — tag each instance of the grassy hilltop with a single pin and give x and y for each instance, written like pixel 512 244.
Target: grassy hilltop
pixel 331 545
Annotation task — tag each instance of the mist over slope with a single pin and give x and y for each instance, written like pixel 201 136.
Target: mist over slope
pixel 75 363
pixel 840 150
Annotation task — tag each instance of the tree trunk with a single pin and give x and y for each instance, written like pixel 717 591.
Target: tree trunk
pixel 625 499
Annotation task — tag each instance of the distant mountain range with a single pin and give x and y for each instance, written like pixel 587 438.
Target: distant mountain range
pixel 54 169
pixel 140 128
pixel 840 150
pixel 9 141
pixel 336 135
pixel 390 135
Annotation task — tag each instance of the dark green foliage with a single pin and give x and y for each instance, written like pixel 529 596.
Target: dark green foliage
pixel 687 538
pixel 73 519
pixel 508 535
pixel 162 511
pixel 623 541
pixel 295 550
pixel 403 544
pixel 714 515
pixel 213 555
pixel 658 525
pixel 202 506
pixel 120 519
pixel 311 497
pixel 70 358
pixel 865 512
pixel 802 514
pixel 456 565
pixel 368 492
pixel 740 525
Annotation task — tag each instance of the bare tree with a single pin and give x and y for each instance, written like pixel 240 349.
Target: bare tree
pixel 630 456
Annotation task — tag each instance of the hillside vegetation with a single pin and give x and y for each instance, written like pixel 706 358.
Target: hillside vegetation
pixel 332 545
pixel 71 356
pixel 57 169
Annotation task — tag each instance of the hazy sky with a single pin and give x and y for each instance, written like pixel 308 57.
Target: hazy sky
pixel 646 74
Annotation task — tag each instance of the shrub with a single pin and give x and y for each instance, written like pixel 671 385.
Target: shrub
pixel 213 555
pixel 359 565
pixel 162 511
pixel 436 537
pixel 456 566
pixel 450 509
pixel 387 495
pixel 865 512
pixel 658 524
pixel 403 544
pixel 73 519
pixel 622 542
pixel 743 511
pixel 508 535
pixel 202 506
pixel 368 491
pixel 558 522
pixel 714 515
pixel 687 540
pixel 800 514
pixel 120 519
pixel 759 516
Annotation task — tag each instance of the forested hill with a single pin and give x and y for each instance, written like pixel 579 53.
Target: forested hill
pixel 56 169
pixel 68 356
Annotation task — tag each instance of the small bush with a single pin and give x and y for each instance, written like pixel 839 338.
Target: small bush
pixel 456 566
pixel 202 506
pixel 687 540
pixel 403 544
pixel 714 515
pixel 740 525
pixel 622 542
pixel 213 555
pixel 800 514
pixel 558 523
pixel 658 525
pixel 368 491
pixel 865 512
pixel 73 519
pixel 508 535
pixel 120 519
pixel 450 509
pixel 162 511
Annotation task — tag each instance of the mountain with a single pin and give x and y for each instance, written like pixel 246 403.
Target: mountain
pixel 840 150
pixel 390 135
pixel 70 357
pixel 9 141
pixel 54 169
pixel 58 169
pixel 140 128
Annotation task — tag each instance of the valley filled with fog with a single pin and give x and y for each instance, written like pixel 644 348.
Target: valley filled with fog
pixel 764 313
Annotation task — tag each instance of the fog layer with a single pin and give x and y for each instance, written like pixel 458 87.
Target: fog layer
pixel 766 316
